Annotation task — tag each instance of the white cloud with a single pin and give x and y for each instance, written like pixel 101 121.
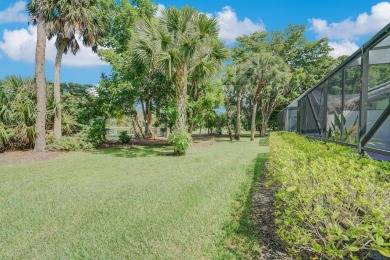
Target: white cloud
pixel 349 29
pixel 160 8
pixel 15 13
pixel 19 45
pixel 343 47
pixel 231 27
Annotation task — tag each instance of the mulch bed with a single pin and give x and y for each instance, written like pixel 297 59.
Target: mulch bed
pixel 203 144
pixel 18 157
pixel 158 141
pixel 272 247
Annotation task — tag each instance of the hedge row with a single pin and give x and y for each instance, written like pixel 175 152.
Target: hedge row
pixel 332 203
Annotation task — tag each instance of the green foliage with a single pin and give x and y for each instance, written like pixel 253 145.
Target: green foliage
pixel 97 134
pixel 68 143
pixel 350 133
pixel 181 141
pixel 17 113
pixel 331 202
pixel 308 62
pixel 125 137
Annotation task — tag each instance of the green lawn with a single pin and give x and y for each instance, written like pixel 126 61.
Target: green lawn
pixel 133 203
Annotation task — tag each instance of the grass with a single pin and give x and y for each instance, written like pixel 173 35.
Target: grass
pixel 131 203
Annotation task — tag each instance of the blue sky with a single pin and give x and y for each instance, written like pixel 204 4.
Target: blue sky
pixel 347 24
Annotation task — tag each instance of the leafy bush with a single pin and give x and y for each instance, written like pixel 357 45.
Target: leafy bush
pixel 68 143
pixel 124 137
pixel 180 140
pixel 331 202
pixel 97 134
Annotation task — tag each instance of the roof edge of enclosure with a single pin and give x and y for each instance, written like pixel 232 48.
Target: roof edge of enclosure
pixel 350 105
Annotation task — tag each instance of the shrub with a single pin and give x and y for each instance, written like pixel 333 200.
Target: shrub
pixel 97 134
pixel 180 140
pixel 124 137
pixel 331 202
pixel 68 143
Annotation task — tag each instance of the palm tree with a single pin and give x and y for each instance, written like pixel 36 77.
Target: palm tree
pixel 262 70
pixel 68 21
pixel 177 43
pixel 203 73
pixel 39 11
pixel 17 112
pixel 195 39
pixel 75 18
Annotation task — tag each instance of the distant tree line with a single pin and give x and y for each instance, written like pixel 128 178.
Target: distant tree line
pixel 169 69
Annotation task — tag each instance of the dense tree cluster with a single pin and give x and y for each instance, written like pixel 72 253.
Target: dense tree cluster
pixel 169 71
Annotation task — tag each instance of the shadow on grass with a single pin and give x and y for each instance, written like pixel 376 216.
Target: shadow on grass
pixel 241 239
pixel 137 151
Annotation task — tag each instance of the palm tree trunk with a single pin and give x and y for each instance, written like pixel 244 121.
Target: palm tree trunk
pixel 260 86
pixel 181 96
pixel 229 117
pixel 57 89
pixel 40 81
pixel 238 116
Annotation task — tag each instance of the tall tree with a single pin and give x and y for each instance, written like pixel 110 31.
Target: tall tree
pixel 309 61
pixel 235 83
pixel 227 83
pixel 179 41
pixel 261 70
pixel 136 84
pixel 194 38
pixel 72 20
pixel 38 17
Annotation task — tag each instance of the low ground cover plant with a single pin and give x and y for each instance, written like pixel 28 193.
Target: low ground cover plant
pixel 181 141
pixel 69 143
pixel 124 137
pixel 332 202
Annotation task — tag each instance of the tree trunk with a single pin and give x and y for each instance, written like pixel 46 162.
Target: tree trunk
pixel 148 119
pixel 40 81
pixel 260 86
pixel 190 126
pixel 238 116
pixel 229 117
pixel 57 92
pixel 134 117
pixel 134 126
pixel 190 121
pixel 263 127
pixel 181 96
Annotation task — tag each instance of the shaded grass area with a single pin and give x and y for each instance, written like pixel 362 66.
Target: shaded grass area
pixel 241 239
pixel 131 203
pixel 137 151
